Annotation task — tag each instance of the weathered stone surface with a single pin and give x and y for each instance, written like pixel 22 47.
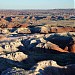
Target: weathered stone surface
pixel 44 30
pixel 53 29
pixel 33 41
pixel 67 70
pixel 23 30
pixel 43 64
pixel 60 30
pixel 11 60
pixel 14 71
pixel 17 56
pixel 73 48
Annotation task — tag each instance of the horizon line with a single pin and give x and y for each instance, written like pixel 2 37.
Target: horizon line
pixel 39 9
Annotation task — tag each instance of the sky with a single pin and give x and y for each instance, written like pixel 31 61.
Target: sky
pixel 37 4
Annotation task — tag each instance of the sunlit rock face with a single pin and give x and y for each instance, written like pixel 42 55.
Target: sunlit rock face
pixel 12 59
pixel 17 56
pixel 23 30
pixel 43 64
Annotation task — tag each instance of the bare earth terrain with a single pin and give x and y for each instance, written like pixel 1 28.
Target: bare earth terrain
pixel 37 42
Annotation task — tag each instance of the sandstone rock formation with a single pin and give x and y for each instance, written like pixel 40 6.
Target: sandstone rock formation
pixel 11 60
pixel 43 64
pixel 14 71
pixel 68 70
pixel 23 30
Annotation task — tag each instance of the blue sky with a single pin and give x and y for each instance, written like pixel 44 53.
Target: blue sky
pixel 36 4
